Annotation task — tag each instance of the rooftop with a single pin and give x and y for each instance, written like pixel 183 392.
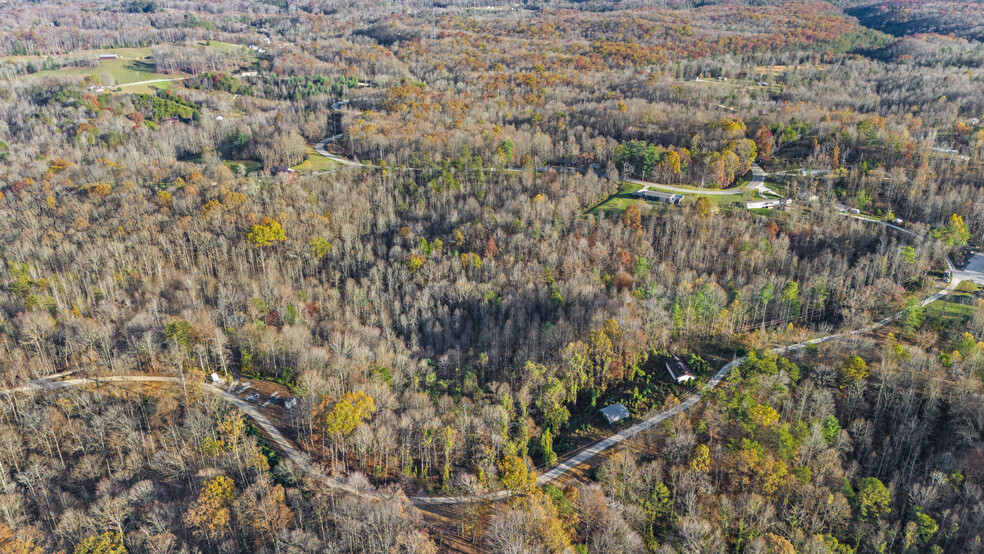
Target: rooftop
pixel 678 370
pixel 615 412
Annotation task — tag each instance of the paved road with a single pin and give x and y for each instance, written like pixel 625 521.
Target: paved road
pixel 320 148
pixel 758 181
pixel 151 81
pixel 302 460
pixel 757 184
pixel 280 442
pixel 974 271
pixel 878 222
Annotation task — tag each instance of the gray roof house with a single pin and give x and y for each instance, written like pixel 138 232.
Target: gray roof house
pixel 678 370
pixel 615 413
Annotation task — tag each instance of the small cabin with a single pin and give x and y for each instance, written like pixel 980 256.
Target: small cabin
pixel 679 371
pixel 615 413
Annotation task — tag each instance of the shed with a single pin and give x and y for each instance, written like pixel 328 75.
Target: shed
pixel 214 377
pixel 679 371
pixel 615 413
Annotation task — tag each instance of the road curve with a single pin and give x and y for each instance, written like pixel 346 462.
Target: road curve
pixel 302 460
pixel 756 184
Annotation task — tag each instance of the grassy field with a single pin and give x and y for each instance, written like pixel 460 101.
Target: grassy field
pixel 148 88
pixel 619 201
pixel 133 66
pixel 958 305
pixel 119 72
pixel 622 199
pixel 226 154
pixel 315 162
pixel 745 83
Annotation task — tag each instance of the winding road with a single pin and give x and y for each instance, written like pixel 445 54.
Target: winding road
pixel 303 462
pixel 757 183
pixel 974 272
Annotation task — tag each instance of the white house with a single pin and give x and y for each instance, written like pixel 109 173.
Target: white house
pixel 759 204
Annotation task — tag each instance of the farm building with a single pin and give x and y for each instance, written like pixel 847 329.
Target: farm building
pixel 109 56
pixel 615 413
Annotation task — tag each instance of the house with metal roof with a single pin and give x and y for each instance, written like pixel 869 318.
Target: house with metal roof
pixel 679 371
pixel 615 413
pixel 657 196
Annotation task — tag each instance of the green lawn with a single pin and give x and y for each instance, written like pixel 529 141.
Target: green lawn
pixel 315 162
pixel 133 66
pixel 226 154
pixel 148 88
pixel 698 190
pixel 622 199
pixel 744 83
pixel 121 72
pixel 619 201
pixel 221 46
pixel 958 305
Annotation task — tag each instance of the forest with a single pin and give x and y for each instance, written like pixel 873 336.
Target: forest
pixel 339 276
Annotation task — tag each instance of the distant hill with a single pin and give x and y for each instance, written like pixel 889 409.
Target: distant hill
pixel 908 17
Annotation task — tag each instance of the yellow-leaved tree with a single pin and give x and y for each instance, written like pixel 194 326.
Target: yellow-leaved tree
pixel 110 542
pixel 338 418
pixel 209 515
pixel 266 232
pixel 515 474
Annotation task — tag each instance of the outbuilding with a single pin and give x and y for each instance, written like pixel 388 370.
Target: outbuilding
pixel 615 413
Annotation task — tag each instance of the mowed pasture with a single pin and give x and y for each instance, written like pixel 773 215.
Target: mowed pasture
pixel 134 65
